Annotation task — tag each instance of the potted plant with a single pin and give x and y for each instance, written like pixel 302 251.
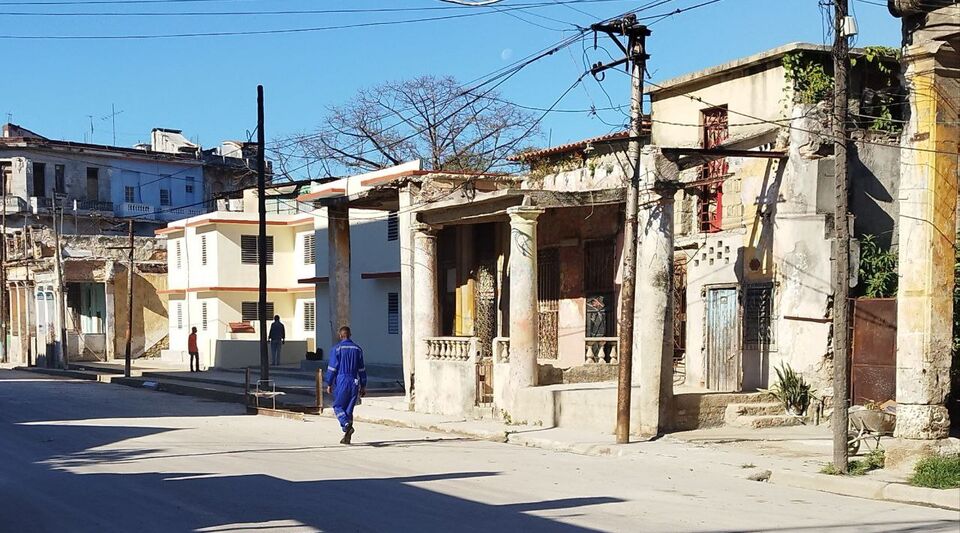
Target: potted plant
pixel 792 391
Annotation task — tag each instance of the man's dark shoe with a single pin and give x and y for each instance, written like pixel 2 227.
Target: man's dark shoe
pixel 347 435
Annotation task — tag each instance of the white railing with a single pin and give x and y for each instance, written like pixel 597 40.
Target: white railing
pixel 178 213
pixel 602 350
pixel 455 349
pixel 135 209
pixel 14 204
pixel 501 350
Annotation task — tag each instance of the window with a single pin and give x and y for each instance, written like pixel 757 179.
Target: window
pixel 203 316
pixel 716 131
pixel 598 286
pixel 309 249
pixel 93 184
pixel 309 316
pixel 393 226
pixel 393 313
pixel 179 316
pixel 203 250
pixel 164 196
pixel 758 332
pixel 248 249
pixel 59 172
pixel 189 186
pixel 40 180
pixel 248 311
pixel 179 256
pixel 6 175
pixel 129 194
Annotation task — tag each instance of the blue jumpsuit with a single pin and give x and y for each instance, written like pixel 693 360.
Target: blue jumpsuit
pixel 346 375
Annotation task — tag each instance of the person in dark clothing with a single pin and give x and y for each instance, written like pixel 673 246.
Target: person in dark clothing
pixel 346 381
pixel 276 337
pixel 193 350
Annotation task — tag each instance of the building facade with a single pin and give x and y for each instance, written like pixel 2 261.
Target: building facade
pixel 90 193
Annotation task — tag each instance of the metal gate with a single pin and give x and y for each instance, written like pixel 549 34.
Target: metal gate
pixel 873 369
pixel 722 340
pixel 548 300
pixel 679 321
pixel 485 325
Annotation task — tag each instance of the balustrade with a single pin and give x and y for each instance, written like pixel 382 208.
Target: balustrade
pixel 454 349
pixel 602 350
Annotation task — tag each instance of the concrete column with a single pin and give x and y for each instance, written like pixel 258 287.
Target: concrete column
pixel 653 316
pixel 523 300
pixel 927 233
pixel 425 303
pixel 338 245
pixel 110 326
pixel 407 326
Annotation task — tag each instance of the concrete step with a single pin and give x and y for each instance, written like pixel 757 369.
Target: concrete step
pixel 736 410
pixel 70 373
pixel 768 421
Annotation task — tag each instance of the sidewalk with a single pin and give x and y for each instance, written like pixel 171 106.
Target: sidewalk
pixel 791 456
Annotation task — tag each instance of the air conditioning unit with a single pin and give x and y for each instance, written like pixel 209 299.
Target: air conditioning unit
pixel 235 204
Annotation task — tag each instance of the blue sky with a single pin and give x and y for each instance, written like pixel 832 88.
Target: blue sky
pixel 206 86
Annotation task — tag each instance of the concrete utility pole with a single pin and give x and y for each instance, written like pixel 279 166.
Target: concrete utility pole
pixel 126 352
pixel 262 239
pixel 635 58
pixel 61 293
pixel 841 271
pixel 4 356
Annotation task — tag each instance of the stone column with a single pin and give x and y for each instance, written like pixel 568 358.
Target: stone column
pixel 927 231
pixel 425 312
pixel 407 327
pixel 338 270
pixel 653 315
pixel 523 300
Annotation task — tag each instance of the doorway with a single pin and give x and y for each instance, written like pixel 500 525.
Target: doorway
pixel 722 340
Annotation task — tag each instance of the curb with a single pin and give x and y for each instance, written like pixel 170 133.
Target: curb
pixel 869 489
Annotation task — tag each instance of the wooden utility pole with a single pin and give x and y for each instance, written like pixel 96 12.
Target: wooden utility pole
pixel 61 293
pixel 126 352
pixel 635 57
pixel 262 238
pixel 841 271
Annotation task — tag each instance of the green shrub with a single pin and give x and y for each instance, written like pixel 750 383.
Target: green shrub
pixel 873 461
pixel 937 472
pixel 878 270
pixel 791 390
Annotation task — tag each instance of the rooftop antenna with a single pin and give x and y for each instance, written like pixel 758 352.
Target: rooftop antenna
pixel 10 117
pixel 113 119
pixel 91 127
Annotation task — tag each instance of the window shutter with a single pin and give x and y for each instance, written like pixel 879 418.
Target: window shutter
pixel 309 249
pixel 203 252
pixel 309 316
pixel 248 249
pixel 248 311
pixel 393 226
pixel 179 256
pixel 393 313
pixel 203 316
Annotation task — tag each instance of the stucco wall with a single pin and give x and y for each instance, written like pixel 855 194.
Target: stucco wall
pixel 149 310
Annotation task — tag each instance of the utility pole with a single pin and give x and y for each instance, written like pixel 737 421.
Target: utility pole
pixel 262 238
pixel 635 58
pixel 129 249
pixel 3 271
pixel 841 271
pixel 126 353
pixel 61 296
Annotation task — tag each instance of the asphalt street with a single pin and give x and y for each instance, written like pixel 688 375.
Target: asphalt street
pixel 80 456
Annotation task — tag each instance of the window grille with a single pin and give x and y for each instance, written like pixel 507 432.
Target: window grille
pixel 393 226
pixel 309 249
pixel 249 311
pixel 203 316
pixel 248 249
pixel 393 313
pixel 309 316
pixel 758 323
pixel 203 250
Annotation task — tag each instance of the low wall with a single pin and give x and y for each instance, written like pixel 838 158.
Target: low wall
pixel 240 354
pixel 584 407
pixel 446 387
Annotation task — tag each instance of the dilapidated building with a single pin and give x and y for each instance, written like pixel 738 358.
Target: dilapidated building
pixel 90 192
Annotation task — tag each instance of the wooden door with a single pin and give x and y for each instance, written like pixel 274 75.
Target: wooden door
pixel 722 340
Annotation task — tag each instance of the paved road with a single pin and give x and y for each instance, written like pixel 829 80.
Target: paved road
pixel 79 456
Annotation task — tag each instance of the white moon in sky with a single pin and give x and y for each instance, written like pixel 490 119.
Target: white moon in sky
pixel 506 54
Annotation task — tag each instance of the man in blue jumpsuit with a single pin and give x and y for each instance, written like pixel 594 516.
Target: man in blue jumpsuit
pixel 346 381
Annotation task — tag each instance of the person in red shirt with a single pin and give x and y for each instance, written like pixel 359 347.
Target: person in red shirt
pixel 193 350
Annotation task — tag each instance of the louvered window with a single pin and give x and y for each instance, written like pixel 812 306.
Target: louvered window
pixel 393 226
pixel 203 251
pixel 248 311
pixel 203 316
pixel 309 249
pixel 393 313
pixel 248 249
pixel 309 316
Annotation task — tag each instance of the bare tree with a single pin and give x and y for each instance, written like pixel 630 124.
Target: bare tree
pixel 428 118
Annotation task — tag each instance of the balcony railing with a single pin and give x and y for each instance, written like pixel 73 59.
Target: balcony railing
pixel 453 349
pixel 14 204
pixel 602 350
pixel 501 350
pixel 136 209
pixel 89 205
pixel 178 213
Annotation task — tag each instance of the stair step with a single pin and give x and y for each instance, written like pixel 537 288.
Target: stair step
pixel 735 410
pixel 768 421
